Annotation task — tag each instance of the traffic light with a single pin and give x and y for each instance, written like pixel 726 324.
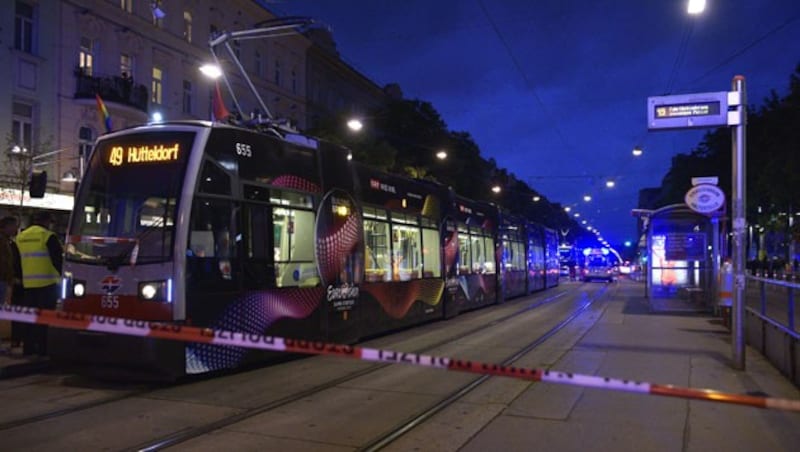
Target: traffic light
pixel 37 184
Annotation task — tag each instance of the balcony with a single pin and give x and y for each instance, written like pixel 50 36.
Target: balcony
pixel 111 88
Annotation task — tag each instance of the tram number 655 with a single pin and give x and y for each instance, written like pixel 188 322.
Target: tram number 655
pixel 244 150
pixel 109 301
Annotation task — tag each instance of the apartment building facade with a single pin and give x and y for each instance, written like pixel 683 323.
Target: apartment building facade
pixel 141 57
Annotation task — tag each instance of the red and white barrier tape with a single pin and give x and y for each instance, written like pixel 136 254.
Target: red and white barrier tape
pixel 161 330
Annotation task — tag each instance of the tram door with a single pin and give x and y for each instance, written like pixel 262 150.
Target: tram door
pixel 258 270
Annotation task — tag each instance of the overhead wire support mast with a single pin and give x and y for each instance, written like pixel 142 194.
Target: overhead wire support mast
pixel 284 26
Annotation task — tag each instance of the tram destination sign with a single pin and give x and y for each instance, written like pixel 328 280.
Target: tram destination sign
pixel 687 111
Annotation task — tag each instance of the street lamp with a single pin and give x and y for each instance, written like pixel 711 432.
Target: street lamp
pixel 441 155
pixel 637 151
pixel 355 125
pixel 211 71
pixel 696 6
pixel 537 198
pixel 610 183
pixel 587 198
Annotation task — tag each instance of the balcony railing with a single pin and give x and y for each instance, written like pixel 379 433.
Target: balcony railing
pixel 111 88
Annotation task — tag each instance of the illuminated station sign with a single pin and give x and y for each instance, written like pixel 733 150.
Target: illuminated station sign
pixel 133 154
pixel 687 111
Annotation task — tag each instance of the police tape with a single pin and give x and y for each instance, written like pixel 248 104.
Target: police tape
pixel 171 331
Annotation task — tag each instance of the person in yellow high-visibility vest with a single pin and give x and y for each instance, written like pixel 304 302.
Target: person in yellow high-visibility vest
pixel 41 255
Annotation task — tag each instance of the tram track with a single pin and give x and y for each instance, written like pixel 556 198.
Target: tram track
pixel 459 394
pixel 394 433
pixel 6 425
pixel 179 435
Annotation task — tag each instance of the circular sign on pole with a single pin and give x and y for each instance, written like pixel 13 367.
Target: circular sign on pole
pixel 705 198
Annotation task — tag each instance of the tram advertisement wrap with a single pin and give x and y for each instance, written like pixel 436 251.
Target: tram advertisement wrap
pixel 339 250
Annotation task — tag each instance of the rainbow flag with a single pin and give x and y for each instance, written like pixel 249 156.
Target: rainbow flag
pixel 101 107
pixel 218 110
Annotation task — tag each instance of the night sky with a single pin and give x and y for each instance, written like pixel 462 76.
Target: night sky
pixel 556 91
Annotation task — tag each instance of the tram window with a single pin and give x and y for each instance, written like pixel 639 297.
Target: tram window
pixel 406 252
pixel 154 227
pixel 377 252
pixel 211 231
pixel 478 253
pixel 488 265
pixel 517 256
pixel 431 253
pixel 293 247
pixel 256 193
pixel 214 179
pixel 378 214
pixel 464 253
pixel 290 198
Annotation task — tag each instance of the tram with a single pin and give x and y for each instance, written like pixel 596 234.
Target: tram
pixel 222 226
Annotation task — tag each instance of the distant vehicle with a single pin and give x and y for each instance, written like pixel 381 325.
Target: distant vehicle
pixel 568 257
pixel 598 266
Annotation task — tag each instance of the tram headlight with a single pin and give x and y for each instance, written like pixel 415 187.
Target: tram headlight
pixel 78 288
pixel 155 291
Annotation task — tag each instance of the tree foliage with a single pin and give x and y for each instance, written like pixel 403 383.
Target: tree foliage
pixel 403 137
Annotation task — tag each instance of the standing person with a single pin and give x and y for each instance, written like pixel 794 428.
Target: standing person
pixel 8 229
pixel 13 293
pixel 40 254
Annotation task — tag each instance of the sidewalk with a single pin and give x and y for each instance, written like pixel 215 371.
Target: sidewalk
pixel 13 364
pixel 628 341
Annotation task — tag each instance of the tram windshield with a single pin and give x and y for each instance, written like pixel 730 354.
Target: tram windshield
pixel 126 206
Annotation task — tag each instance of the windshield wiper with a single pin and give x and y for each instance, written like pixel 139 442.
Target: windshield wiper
pixel 132 253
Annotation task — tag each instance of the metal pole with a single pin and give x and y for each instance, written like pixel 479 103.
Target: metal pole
pixel 738 179
pixel 716 262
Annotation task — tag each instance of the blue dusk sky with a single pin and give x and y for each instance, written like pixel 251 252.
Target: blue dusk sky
pixel 556 90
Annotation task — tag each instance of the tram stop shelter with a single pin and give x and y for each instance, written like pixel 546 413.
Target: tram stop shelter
pixel 680 274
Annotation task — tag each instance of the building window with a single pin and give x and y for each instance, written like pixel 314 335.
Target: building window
pixel 158 13
pixel 156 86
pixel 187 97
pixel 187 26
pixel 22 125
pixel 126 5
pixel 85 143
pixel 125 65
pixel 86 56
pixel 23 27
pixel 277 78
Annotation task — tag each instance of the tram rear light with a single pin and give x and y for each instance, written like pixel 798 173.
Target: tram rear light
pixel 155 291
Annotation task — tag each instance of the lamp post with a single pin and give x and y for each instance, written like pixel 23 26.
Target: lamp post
pixel 355 124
